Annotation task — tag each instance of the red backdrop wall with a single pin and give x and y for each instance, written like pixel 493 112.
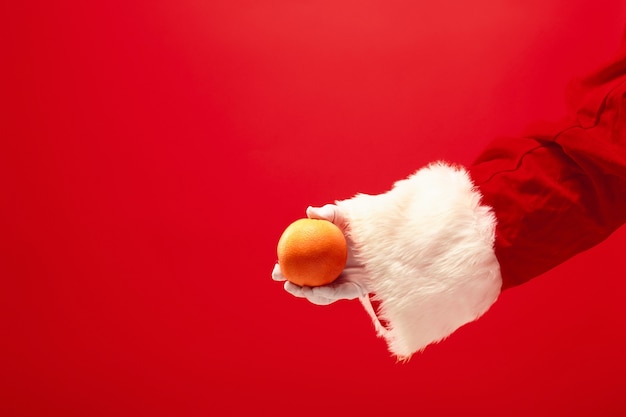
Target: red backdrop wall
pixel 151 153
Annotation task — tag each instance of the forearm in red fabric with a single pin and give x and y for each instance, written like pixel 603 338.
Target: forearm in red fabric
pixel 561 189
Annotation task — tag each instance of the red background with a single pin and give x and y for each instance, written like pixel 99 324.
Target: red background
pixel 152 152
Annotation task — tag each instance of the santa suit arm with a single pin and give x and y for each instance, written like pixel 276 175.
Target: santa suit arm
pixel 441 244
pixel 561 189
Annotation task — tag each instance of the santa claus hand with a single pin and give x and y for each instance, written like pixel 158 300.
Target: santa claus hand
pixel 346 287
pixel 349 285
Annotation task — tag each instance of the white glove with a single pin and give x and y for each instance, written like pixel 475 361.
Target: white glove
pixel 349 285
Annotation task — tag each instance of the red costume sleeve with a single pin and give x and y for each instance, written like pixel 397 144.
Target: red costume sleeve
pixel 561 189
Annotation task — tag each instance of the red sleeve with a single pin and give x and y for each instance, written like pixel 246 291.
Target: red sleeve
pixel 561 189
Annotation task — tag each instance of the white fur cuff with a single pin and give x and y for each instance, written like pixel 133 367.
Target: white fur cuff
pixel 427 247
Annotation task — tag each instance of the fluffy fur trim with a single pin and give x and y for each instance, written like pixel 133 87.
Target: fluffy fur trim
pixel 427 247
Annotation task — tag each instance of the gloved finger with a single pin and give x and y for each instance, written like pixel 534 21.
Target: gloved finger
pixel 277 274
pixel 315 296
pixel 305 292
pixel 293 289
pixel 342 290
pixel 326 294
pixel 328 212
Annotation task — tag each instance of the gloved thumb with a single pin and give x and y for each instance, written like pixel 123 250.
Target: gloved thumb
pixel 328 212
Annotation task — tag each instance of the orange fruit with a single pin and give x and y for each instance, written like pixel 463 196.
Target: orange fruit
pixel 312 252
